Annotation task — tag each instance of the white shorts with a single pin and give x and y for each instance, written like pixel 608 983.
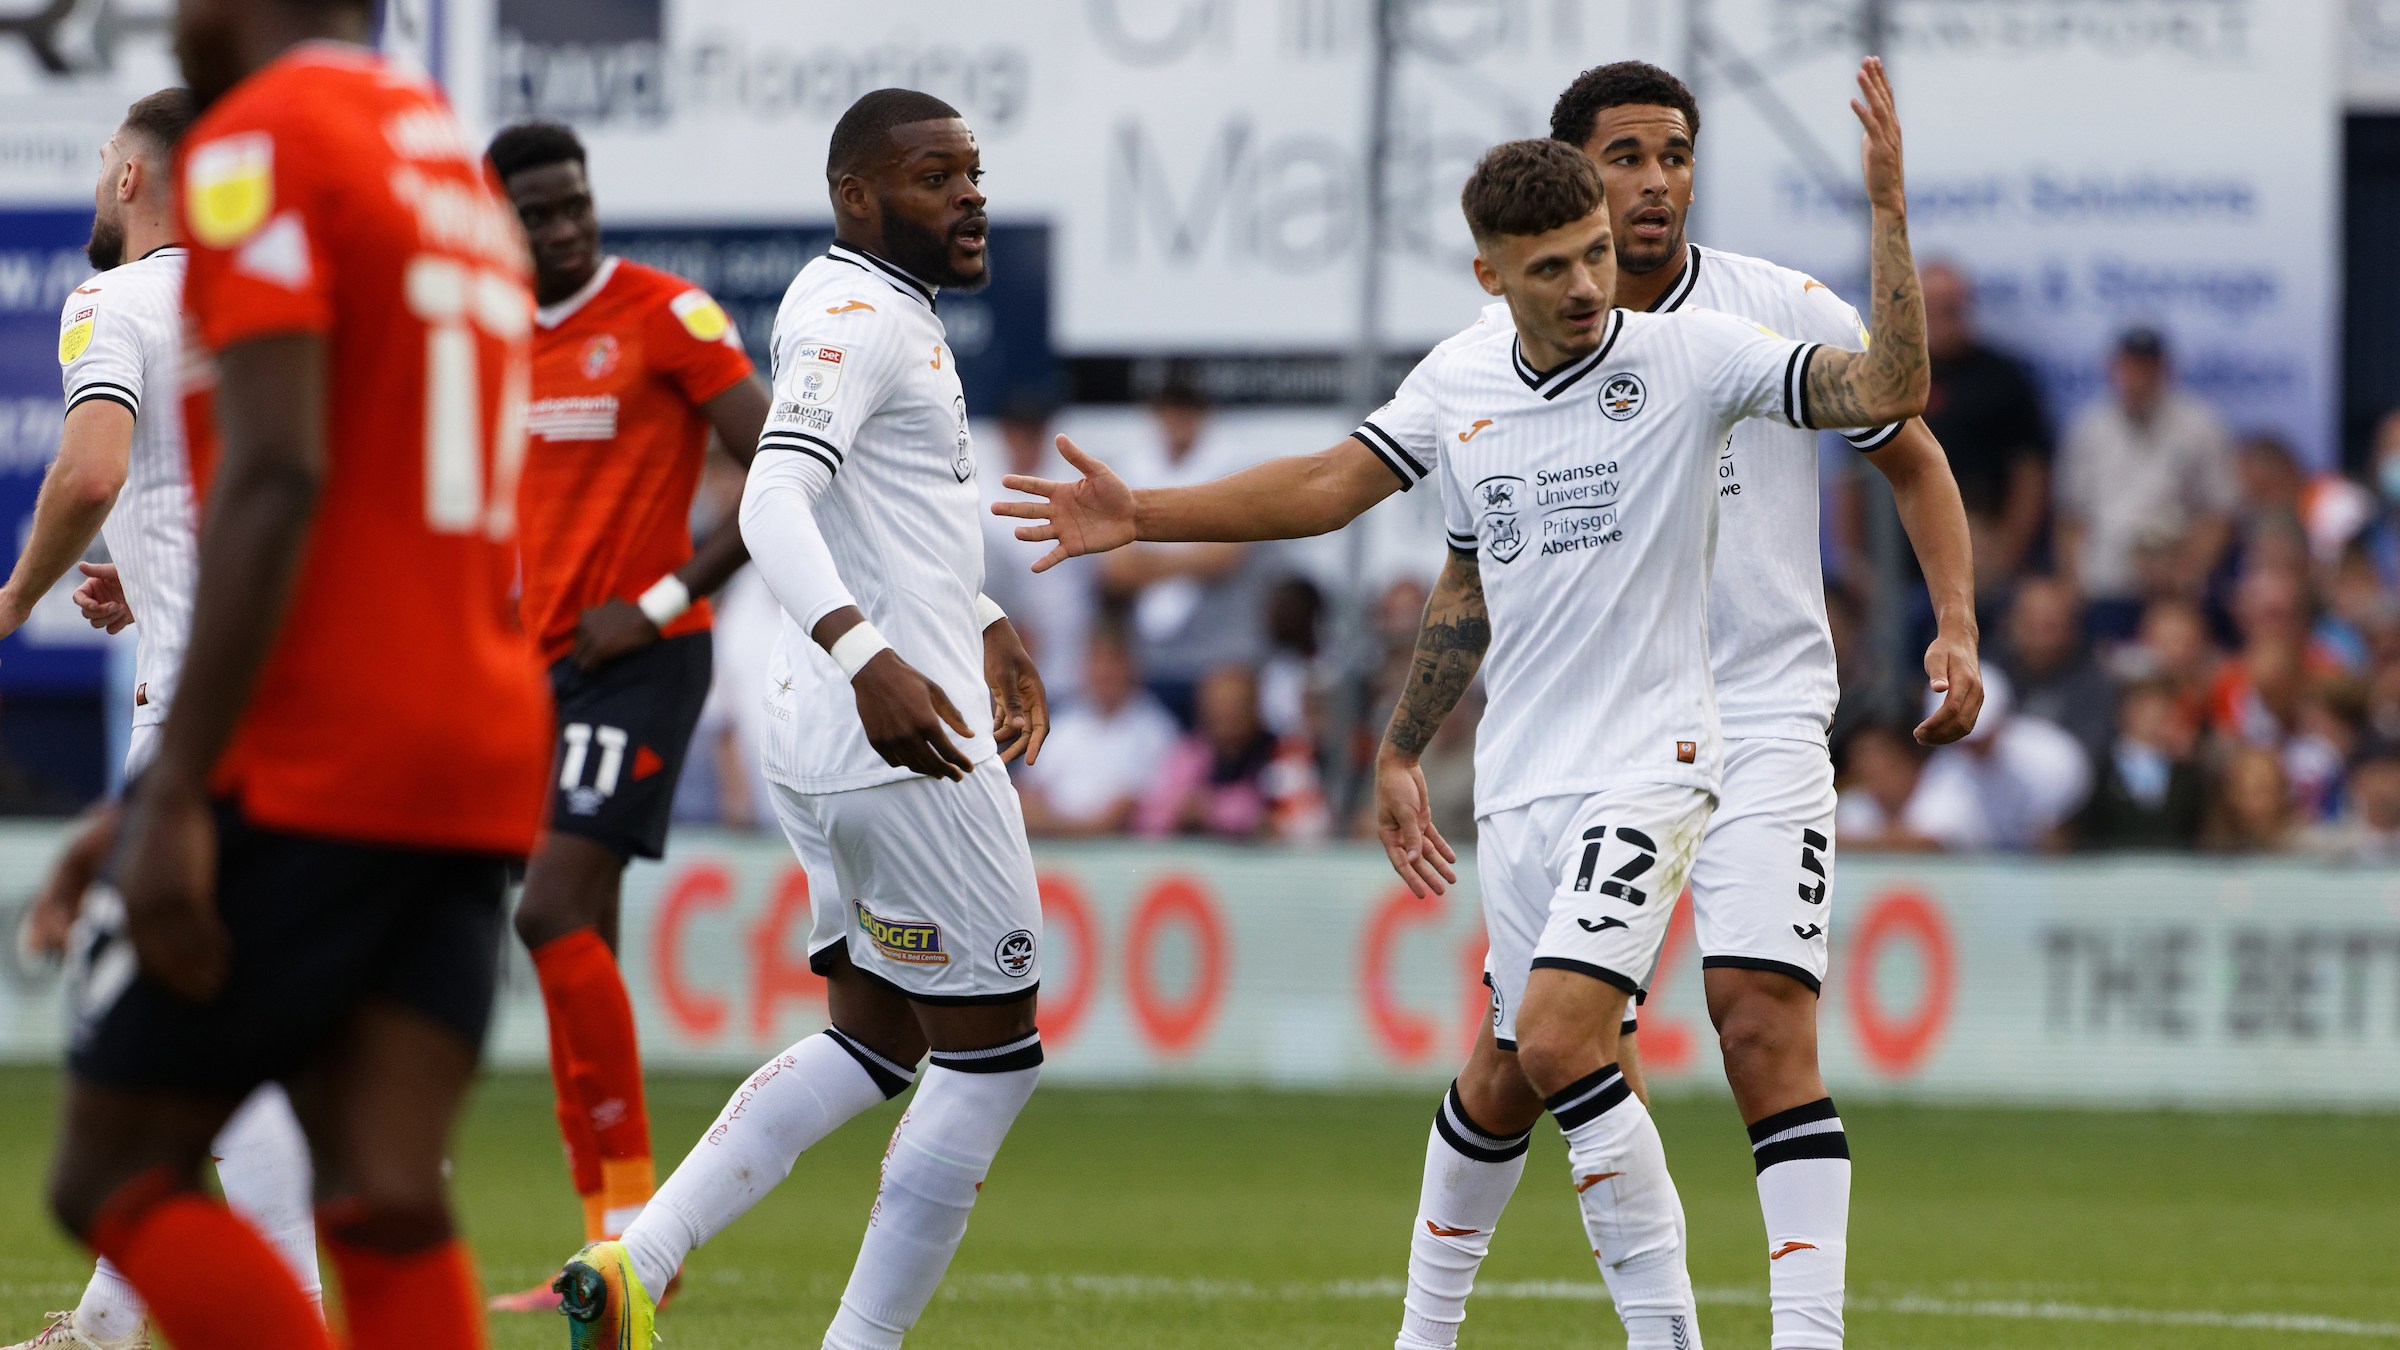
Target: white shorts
pixel 928 881
pixel 1762 887
pixel 1584 884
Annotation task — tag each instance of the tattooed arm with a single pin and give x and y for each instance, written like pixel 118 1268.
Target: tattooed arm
pixel 1887 382
pixel 1450 647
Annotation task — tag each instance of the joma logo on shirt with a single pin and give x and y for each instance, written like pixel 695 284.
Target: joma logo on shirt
pixel 902 940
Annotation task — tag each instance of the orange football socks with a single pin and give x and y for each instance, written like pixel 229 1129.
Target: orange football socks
pixel 211 1281
pixel 600 1078
pixel 426 1299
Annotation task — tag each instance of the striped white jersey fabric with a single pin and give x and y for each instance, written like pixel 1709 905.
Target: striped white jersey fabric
pixel 121 339
pixel 1766 610
pixel 1588 494
pixel 870 422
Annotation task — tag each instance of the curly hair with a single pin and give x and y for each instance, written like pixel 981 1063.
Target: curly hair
pixel 1529 187
pixel 1617 85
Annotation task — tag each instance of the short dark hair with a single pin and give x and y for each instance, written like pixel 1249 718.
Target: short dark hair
pixel 864 129
pixel 163 117
pixel 1529 187
pixel 1616 85
pixel 530 145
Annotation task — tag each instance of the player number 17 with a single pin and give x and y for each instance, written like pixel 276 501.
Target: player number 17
pixel 454 298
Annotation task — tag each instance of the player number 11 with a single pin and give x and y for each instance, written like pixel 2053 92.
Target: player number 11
pixel 455 298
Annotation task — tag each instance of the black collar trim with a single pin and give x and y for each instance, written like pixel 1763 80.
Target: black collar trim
pixel 1551 383
pixel 866 261
pixel 1681 291
pixel 162 248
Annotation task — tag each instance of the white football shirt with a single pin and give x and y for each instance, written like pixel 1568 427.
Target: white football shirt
pixel 121 339
pixel 1589 495
pixel 1766 610
pixel 867 387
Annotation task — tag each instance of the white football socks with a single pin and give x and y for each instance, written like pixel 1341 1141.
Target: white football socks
pixel 1630 1209
pixel 1803 1162
pixel 1469 1175
pixel 931 1173
pixel 263 1164
pixel 794 1100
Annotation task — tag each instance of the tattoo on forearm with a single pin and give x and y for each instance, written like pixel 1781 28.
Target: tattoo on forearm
pixel 1860 389
pixel 1450 647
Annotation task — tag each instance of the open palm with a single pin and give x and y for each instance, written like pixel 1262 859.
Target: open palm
pixel 1092 514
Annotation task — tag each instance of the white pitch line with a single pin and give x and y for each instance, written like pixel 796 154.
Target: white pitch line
pixel 1587 1291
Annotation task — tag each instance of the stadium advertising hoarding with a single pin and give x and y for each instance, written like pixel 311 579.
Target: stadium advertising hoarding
pixel 2173 163
pixel 2124 982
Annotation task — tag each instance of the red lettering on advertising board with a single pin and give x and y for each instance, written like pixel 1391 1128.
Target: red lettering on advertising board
pixel 1897 1045
pixel 1478 994
pixel 702 886
pixel 1066 913
pixel 776 976
pixel 1175 1028
pixel 1666 1042
pixel 1404 1035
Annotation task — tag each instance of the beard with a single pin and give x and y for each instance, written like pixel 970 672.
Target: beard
pixel 106 247
pixel 924 254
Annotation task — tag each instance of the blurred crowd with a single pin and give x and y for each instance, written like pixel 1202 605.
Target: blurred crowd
pixel 2190 640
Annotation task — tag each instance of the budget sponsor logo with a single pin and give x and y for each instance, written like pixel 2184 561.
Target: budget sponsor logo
pixel 902 939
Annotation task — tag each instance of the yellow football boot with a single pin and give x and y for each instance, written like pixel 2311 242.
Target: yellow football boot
pixel 603 1299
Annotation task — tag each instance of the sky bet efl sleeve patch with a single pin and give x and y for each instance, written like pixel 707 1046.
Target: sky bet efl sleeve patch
pixel 817 373
pixel 229 188
pixel 702 317
pixel 76 337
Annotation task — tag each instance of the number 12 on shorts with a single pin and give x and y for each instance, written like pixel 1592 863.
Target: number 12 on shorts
pixel 1619 882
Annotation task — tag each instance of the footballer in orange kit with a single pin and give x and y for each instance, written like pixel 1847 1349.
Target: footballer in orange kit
pixel 632 369
pixel 309 882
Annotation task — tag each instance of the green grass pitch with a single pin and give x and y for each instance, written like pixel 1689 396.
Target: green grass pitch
pixel 1211 1218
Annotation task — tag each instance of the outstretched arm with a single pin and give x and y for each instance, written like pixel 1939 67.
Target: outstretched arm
pixel 1450 647
pixel 76 495
pixel 1290 498
pixel 1927 496
pixel 1889 381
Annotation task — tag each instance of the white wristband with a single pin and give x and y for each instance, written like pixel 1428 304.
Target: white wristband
pixel 852 650
pixel 987 612
pixel 666 598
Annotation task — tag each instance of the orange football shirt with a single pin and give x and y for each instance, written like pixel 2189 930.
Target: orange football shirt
pixel 616 443
pixel 401 704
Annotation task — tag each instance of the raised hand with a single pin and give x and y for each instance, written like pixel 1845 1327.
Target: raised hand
pixel 1093 514
pixel 1879 148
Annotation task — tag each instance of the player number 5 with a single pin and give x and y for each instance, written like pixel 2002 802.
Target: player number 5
pixel 454 299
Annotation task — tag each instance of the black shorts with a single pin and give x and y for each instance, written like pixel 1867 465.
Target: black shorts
pixel 623 731
pixel 317 925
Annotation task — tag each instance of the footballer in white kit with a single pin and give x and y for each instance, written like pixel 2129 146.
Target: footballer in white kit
pixel 1578 452
pixel 860 515
pixel 122 470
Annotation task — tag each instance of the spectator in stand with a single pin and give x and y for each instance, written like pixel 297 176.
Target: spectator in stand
pixel 2172 645
pixel 2049 662
pixel 2010 785
pixel 2250 805
pixel 1050 610
pixel 2382 533
pixel 1881 767
pixel 1291 685
pixel 1231 778
pixel 2150 462
pixel 1104 749
pixel 2328 508
pixel 1987 412
pixel 1196 607
pixel 2150 793
pixel 2357 609
pixel 2368 833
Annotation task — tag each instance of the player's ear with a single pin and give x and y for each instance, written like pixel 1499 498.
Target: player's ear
pixel 1486 276
pixel 853 198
